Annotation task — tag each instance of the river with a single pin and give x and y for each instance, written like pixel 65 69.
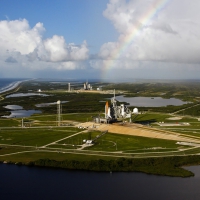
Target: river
pixel 22 182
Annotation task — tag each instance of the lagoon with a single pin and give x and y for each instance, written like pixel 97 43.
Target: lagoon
pixel 150 101
pixel 18 112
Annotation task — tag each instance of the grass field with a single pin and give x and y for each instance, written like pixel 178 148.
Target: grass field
pixel 33 137
pixel 68 140
pixel 41 138
pixel 124 143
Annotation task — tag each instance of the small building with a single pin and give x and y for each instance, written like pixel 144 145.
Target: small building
pixel 89 142
pixel 99 88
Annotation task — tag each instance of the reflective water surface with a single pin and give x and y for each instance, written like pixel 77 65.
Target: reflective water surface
pixel 17 112
pixel 21 182
pixel 26 95
pixel 150 101
pixel 13 107
pixel 48 104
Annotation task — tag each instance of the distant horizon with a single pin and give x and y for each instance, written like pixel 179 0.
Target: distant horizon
pixel 136 80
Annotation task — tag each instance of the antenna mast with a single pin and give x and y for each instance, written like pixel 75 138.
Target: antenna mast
pixel 58 112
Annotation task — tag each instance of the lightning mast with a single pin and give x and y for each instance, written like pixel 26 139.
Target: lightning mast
pixel 59 111
pixel 69 88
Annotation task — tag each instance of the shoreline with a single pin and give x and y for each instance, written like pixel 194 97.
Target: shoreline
pixel 12 86
pixel 171 167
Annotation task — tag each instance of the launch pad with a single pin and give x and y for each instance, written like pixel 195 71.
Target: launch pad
pixel 115 113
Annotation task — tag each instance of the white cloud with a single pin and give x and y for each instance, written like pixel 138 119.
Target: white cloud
pixel 171 35
pixel 55 49
pixel 22 45
pixel 17 35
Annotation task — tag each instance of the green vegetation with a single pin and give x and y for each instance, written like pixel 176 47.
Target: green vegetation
pixel 124 143
pixel 193 111
pixel 150 118
pixel 33 137
pixel 186 91
pixel 8 122
pixel 42 143
pixel 78 117
pixel 169 166
pixel 76 102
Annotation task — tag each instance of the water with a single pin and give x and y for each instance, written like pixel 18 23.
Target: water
pixel 49 104
pixel 21 182
pixel 26 95
pixel 150 101
pixel 13 107
pixel 18 112
pixel 9 83
pixel 21 113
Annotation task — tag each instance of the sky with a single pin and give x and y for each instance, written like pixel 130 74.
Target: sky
pixel 100 39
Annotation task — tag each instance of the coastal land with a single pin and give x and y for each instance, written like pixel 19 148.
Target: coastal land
pixel 159 140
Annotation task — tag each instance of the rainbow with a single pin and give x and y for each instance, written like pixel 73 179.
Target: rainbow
pixel 156 7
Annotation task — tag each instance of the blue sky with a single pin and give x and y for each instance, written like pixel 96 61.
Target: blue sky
pixel 100 39
pixel 76 20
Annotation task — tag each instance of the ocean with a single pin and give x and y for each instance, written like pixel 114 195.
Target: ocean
pixel 9 83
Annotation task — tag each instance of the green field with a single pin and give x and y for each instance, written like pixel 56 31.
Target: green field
pixel 33 137
pixel 41 138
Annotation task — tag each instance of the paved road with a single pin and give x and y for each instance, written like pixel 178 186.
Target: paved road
pixel 33 127
pixel 107 154
pixel 185 109
pixel 63 139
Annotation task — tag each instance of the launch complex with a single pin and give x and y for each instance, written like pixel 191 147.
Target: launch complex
pixel 114 113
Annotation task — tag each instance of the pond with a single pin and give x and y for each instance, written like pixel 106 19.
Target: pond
pixel 49 104
pixel 18 112
pixel 13 107
pixel 26 95
pixel 150 101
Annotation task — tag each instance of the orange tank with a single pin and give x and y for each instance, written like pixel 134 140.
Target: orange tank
pixel 107 105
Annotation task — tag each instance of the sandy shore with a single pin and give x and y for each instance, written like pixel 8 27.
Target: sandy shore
pixel 11 86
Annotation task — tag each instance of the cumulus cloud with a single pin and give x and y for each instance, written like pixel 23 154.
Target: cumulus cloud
pixel 17 37
pixel 170 35
pixel 55 49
